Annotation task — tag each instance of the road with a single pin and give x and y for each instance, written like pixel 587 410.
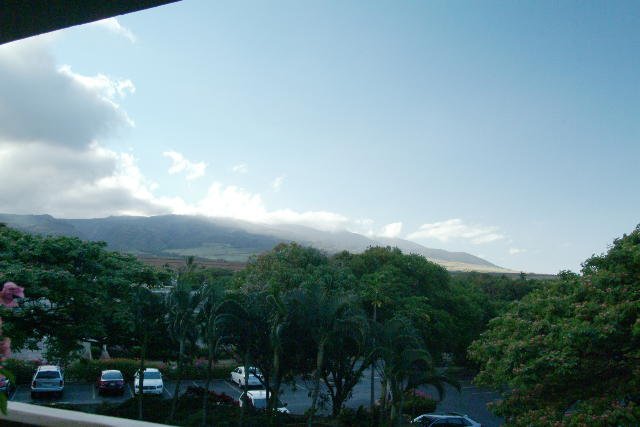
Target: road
pixel 470 400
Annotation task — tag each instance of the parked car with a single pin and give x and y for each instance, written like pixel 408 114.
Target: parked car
pixel 445 420
pixel 237 376
pixel 258 400
pixel 6 386
pixel 111 381
pixel 47 379
pixel 152 382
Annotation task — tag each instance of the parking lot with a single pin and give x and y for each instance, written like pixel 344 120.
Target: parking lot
pixel 470 400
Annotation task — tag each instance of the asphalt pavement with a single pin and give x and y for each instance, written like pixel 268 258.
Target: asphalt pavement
pixel 471 400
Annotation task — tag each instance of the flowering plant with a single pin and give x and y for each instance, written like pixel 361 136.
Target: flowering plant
pixel 10 291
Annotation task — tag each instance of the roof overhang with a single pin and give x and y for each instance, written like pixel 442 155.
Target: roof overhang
pixel 25 18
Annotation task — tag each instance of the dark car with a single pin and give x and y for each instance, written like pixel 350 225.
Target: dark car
pixel 111 381
pixel 6 386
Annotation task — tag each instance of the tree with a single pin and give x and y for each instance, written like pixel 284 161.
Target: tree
pixel 569 353
pixel 70 283
pixel 348 354
pixel 330 317
pixel 405 364
pixel 213 316
pixel 148 311
pixel 182 302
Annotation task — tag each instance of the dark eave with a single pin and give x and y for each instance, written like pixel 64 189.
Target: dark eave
pixel 25 18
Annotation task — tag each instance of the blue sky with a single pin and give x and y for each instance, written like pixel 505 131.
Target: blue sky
pixel 505 129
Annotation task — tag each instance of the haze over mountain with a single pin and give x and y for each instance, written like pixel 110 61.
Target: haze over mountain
pixel 227 239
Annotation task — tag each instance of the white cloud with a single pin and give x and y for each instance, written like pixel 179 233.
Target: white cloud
pixel 41 102
pixel 276 184
pixel 457 229
pixel 391 230
pixel 515 251
pixel 240 168
pixel 114 26
pixel 53 159
pixel 107 87
pixel 180 164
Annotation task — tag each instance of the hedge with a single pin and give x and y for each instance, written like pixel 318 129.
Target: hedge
pixel 22 370
pixel 89 370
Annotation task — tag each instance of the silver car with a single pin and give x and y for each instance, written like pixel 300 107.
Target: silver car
pixel 47 379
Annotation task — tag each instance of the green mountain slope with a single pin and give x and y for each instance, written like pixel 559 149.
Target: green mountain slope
pixel 214 238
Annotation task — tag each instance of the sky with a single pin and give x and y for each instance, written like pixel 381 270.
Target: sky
pixel 509 130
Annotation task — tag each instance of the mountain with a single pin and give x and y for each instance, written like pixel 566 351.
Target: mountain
pixel 226 239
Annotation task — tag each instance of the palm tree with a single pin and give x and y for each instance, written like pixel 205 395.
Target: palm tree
pixel 405 364
pixel 183 304
pixel 210 320
pixel 329 315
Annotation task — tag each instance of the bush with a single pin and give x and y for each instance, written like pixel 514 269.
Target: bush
pixel 417 402
pixel 89 370
pixel 354 418
pixel 22 370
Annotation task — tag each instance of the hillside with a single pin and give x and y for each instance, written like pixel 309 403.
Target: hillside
pixel 168 236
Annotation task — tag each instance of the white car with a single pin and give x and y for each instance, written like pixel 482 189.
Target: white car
pixel 237 376
pixel 47 379
pixel 445 420
pixel 152 382
pixel 258 399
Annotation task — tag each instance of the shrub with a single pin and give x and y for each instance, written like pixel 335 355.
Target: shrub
pixel 22 369
pixel 417 402
pixel 354 418
pixel 89 370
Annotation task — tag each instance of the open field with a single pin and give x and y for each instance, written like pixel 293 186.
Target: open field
pixel 176 262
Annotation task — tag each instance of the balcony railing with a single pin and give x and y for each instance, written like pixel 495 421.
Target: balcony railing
pixel 34 415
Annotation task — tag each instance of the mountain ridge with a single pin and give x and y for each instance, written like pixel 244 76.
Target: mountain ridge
pixel 224 238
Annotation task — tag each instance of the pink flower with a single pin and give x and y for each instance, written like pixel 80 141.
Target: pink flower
pixel 5 348
pixel 10 291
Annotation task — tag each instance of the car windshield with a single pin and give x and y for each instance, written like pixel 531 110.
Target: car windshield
pixel 152 375
pixel 112 376
pixel 45 375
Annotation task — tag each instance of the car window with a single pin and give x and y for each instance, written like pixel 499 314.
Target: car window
pixel 152 376
pixel 466 422
pixel 112 376
pixel 46 375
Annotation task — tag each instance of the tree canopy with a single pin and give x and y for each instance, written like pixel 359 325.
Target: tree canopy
pixel 569 353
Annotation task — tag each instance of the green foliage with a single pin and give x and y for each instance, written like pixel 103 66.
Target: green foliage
pixel 70 283
pixel 89 370
pixel 22 370
pixel 570 351
pixel 416 404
